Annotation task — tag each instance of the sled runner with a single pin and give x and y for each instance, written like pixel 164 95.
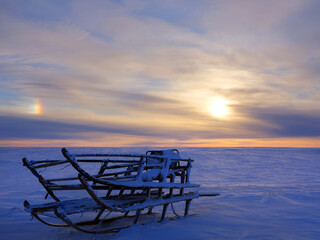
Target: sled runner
pixel 119 188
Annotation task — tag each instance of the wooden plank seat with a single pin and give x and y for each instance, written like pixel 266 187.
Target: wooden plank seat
pixel 124 204
pixel 118 204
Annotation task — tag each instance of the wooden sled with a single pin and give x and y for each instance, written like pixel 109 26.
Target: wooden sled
pixel 122 184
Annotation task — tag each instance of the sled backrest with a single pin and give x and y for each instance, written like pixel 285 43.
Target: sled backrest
pixel 173 164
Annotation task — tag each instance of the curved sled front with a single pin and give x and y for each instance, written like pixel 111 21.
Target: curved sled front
pixel 36 215
pixel 60 214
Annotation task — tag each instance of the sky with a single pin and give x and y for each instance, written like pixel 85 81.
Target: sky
pixel 203 73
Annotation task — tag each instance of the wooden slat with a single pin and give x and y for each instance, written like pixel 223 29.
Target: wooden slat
pixel 115 173
pixel 108 155
pixel 49 164
pixel 44 161
pixel 182 160
pixel 62 179
pixel 121 166
pixel 122 177
pixel 108 160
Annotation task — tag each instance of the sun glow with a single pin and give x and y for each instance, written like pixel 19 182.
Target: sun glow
pixel 219 108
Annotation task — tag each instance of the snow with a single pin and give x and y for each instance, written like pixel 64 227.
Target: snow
pixel 266 193
pixel 150 175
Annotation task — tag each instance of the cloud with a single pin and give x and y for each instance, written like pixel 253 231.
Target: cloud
pixel 20 127
pixel 283 123
pixel 152 68
pixel 295 125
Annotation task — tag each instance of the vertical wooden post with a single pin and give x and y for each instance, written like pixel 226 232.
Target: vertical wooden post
pixel 164 210
pixel 181 191
pixel 186 210
pixel 148 192
pixel 149 211
pixel 99 214
pixel 109 191
pixel 121 191
pixel 140 169
pixel 137 216
pixel 160 193
pixel 171 189
pixel 183 177
pixel 171 192
pixel 188 171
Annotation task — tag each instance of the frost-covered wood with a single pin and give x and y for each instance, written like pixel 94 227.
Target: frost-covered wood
pixel 121 183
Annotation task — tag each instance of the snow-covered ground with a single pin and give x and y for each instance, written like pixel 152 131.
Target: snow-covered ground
pixel 266 193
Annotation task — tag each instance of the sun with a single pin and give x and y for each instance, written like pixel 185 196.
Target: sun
pixel 219 108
